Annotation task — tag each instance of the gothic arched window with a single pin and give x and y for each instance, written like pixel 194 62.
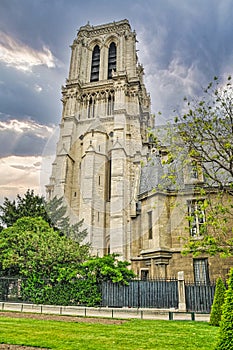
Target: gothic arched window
pixel 95 64
pixel 110 105
pixel 91 108
pixel 111 59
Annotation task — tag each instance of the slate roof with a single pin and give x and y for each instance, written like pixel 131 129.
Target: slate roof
pixel 151 174
pixel 155 175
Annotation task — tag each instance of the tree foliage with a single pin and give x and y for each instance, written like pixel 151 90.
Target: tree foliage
pixel 216 309
pixel 201 142
pixel 47 263
pixel 28 205
pixel 225 339
pixel 57 218
pixel 207 132
pixel 54 212
pixel 206 129
pixel 30 247
pixel 107 268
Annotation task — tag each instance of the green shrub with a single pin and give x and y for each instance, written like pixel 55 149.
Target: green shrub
pixel 73 292
pixel 225 337
pixel 216 309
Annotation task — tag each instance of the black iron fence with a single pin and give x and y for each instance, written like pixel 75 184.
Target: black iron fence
pixel 199 297
pixel 152 294
pixel 163 294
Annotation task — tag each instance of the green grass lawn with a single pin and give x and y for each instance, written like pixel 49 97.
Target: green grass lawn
pixel 131 335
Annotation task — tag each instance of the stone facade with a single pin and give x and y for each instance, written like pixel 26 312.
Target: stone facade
pixel 102 145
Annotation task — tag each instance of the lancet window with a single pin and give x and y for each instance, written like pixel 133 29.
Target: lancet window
pixel 91 108
pixel 95 64
pixel 110 104
pixel 111 59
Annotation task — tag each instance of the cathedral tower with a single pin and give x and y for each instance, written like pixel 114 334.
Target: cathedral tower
pixel 103 135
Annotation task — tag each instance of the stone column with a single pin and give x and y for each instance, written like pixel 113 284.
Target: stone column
pixel 181 291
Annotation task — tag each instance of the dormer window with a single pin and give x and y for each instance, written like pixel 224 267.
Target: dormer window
pixel 193 172
pixel 111 59
pixel 95 64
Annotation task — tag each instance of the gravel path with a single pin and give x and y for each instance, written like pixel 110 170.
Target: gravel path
pixel 61 318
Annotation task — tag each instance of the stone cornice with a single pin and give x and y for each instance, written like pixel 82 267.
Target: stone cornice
pixel 93 31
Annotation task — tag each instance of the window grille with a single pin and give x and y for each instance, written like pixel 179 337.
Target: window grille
pixel 201 271
pixel 196 215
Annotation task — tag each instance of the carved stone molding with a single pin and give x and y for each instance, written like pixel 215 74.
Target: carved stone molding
pixel 116 27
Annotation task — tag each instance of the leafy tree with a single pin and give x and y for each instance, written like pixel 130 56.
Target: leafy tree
pixel 216 309
pixel 53 212
pixel 47 262
pixel 107 268
pixel 29 205
pixel 201 142
pixel 207 132
pixel 56 216
pixel 225 339
pixel 30 247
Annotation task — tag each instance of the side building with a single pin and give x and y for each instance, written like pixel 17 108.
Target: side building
pixel 106 168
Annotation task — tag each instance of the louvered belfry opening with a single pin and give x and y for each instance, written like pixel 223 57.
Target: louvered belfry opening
pixel 95 64
pixel 111 59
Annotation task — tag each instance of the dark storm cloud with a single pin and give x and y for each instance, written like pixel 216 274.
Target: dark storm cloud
pixel 24 138
pixel 183 45
pixel 28 144
pixel 30 95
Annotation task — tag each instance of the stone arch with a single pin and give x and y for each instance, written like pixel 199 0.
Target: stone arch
pixel 110 39
pixel 93 43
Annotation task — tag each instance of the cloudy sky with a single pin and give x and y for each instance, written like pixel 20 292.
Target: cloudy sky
pixel 182 45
